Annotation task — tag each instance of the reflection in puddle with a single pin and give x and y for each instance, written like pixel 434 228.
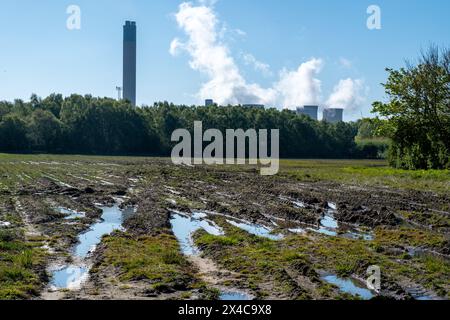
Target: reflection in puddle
pixel 349 286
pixel 72 276
pixel 425 298
pixel 297 230
pixel 184 225
pixel 257 230
pixel 234 296
pixel 329 222
pixel 112 221
pixel 71 214
pixel 329 226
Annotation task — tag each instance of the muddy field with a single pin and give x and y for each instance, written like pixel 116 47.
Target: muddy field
pixel 75 227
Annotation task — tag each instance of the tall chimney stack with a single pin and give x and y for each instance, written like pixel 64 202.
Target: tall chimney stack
pixel 129 62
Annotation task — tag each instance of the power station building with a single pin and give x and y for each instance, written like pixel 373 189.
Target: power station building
pixel 310 111
pixel 333 115
pixel 129 62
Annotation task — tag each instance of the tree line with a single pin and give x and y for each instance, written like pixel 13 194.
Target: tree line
pixel 90 125
pixel 412 128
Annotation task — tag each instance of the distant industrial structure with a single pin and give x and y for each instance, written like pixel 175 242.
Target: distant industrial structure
pixel 128 89
pixel 333 115
pixel 310 111
pixel 129 62
pixel 119 93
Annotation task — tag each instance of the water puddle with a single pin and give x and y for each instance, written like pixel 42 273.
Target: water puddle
pixel 252 228
pixel 349 286
pixel 329 226
pixel 111 221
pixel 5 224
pixel 185 225
pixel 420 293
pixel 72 276
pixel 71 214
pixel 257 230
pixel 425 298
pixel 234 296
pixel 297 230
pixel 299 204
pixel 329 222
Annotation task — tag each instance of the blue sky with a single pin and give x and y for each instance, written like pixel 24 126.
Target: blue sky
pixel 267 41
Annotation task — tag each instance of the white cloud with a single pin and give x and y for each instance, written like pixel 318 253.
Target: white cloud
pixel 209 56
pixel 347 94
pixel 262 67
pixel 240 32
pixel 300 87
pixel 226 85
pixel 175 46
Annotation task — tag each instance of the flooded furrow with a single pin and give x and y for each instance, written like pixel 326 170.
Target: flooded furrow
pixel 349 286
pixel 257 230
pixel 184 225
pixel 328 224
pixel 72 276
pixel 71 214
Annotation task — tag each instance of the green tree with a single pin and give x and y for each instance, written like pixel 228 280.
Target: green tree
pixel 13 134
pixel 44 131
pixel 418 113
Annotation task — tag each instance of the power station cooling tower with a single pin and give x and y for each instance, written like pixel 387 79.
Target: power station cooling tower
pixel 310 111
pixel 333 115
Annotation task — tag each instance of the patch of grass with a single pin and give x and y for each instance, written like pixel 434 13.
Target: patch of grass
pixel 7 235
pixel 366 172
pixel 24 259
pixel 345 269
pixel 15 274
pixel 437 220
pixel 408 237
pixel 20 263
pixel 205 239
pixel 156 259
pixel 211 294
